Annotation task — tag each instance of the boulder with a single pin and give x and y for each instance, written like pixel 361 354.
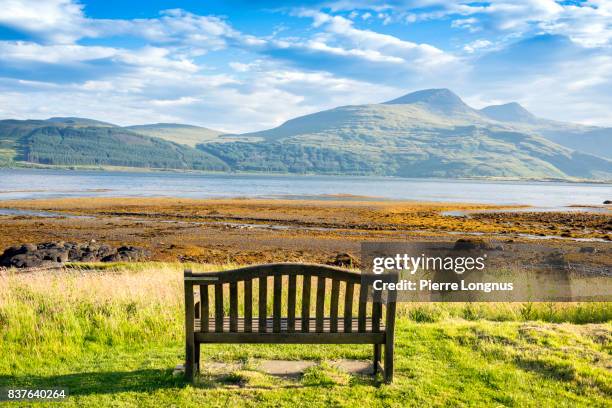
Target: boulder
pixel 344 259
pixel 56 253
pixel 467 244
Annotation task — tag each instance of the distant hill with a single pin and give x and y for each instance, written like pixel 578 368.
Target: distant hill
pixel 177 133
pixel 588 139
pixel 509 112
pixel 430 133
pixel 438 101
pixel 78 122
pixel 74 144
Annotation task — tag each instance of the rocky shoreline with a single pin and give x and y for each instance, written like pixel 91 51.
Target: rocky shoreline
pixel 56 253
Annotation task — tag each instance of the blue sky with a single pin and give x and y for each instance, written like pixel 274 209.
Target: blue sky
pixel 250 65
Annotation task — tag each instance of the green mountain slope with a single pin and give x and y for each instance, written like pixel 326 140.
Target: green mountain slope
pixel 588 139
pixel 177 133
pixel 78 122
pixel 429 133
pixel 56 143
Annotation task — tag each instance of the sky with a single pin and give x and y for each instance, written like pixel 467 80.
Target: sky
pixel 240 66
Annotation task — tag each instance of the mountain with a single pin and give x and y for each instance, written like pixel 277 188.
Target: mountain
pixel 440 101
pixel 430 133
pixel 588 139
pixel 73 143
pixel 177 133
pixel 74 121
pixel 509 112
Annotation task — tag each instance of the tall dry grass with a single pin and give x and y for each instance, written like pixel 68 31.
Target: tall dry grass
pixel 131 304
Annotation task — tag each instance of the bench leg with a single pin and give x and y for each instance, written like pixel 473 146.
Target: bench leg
pixel 389 360
pixel 377 352
pixel 189 358
pixel 196 367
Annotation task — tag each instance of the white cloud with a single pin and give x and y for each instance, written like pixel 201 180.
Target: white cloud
pixel 59 21
pixel 573 92
pixel 587 22
pixel 272 79
pixel 371 45
pixel 63 22
pixel 477 45
pixel 16 51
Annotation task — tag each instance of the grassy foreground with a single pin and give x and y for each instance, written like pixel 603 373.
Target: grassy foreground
pixel 113 337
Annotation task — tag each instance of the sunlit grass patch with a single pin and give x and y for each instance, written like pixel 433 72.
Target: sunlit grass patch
pixel 113 334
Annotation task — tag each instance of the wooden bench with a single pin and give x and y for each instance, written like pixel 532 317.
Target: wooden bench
pixel 203 325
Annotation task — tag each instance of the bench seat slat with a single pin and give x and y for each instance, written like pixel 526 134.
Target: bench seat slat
pixel 269 323
pixel 295 338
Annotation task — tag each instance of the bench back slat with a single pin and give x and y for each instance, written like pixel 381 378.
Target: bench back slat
pixel 320 310
pixel 306 304
pixel 333 307
pixel 218 307
pixel 276 309
pixel 376 311
pixel 263 303
pixel 234 307
pixel 348 308
pixel 248 305
pixel 291 296
pixel 362 311
pixel 204 308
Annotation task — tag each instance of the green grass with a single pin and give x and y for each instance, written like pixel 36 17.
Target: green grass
pixel 114 336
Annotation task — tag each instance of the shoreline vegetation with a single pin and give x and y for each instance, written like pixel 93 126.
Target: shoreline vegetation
pixel 97 329
pixel 37 166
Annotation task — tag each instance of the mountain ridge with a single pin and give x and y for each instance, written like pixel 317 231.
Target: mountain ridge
pixel 428 133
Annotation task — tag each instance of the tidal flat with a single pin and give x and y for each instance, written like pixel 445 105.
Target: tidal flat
pixel 245 231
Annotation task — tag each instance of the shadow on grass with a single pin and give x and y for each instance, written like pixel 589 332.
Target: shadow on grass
pixel 100 382
pixel 255 380
pixel 559 370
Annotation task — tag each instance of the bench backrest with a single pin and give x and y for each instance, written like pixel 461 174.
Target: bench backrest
pixel 344 285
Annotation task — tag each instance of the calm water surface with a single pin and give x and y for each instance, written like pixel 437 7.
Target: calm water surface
pixel 30 183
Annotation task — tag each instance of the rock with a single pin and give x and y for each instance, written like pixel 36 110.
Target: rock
pixel 343 259
pixel 130 253
pixel 588 250
pixel 555 259
pixel 24 261
pixel 57 253
pixel 104 251
pixel 607 202
pixel 466 244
